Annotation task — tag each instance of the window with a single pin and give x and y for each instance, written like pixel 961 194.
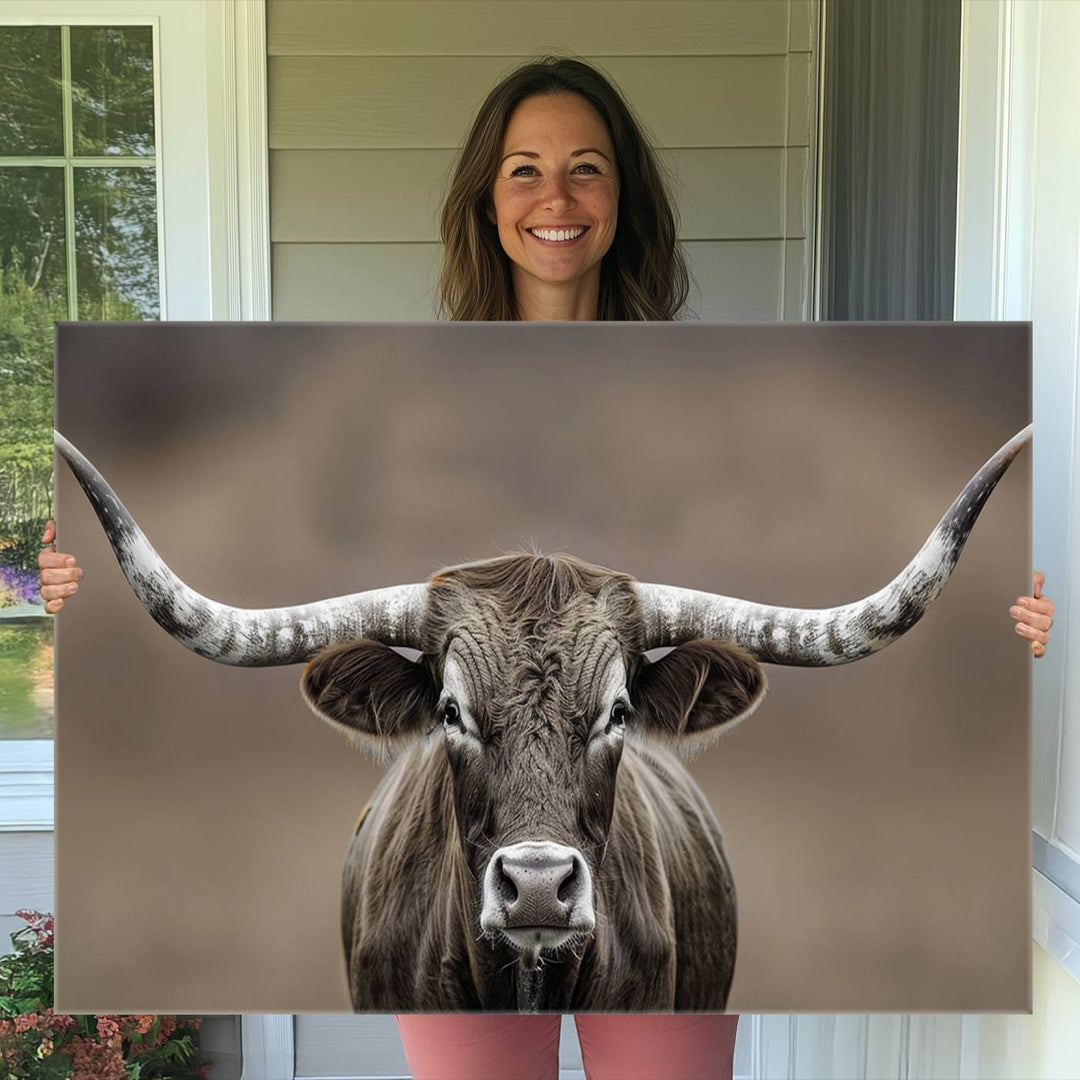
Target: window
pixel 78 241
pixel 172 115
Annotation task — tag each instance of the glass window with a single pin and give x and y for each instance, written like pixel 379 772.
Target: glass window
pixel 78 241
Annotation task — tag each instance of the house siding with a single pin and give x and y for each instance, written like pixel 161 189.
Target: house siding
pixel 368 104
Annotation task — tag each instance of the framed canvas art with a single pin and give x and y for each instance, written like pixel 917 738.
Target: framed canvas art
pixel 543 667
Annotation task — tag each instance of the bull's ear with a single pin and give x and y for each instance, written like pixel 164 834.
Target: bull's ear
pixel 695 693
pixel 374 694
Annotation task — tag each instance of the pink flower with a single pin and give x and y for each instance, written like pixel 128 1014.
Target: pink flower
pixel 26 1022
pixel 108 1029
pixel 58 1023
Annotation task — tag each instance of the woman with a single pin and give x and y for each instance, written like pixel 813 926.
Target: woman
pixel 558 211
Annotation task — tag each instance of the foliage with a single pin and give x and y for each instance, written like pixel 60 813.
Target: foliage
pixel 26 454
pixel 37 1043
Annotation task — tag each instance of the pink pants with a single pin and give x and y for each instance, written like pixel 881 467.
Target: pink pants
pixel 499 1046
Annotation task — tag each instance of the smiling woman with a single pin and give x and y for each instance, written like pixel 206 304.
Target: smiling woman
pixel 558 208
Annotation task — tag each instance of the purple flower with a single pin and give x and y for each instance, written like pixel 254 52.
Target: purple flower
pixel 18 586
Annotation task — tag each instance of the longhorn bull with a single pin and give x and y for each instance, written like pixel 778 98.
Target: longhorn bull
pixel 536 808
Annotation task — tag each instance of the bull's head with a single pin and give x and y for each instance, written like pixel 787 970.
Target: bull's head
pixel 534 668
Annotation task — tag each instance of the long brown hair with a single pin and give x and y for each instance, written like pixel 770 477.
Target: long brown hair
pixel 643 276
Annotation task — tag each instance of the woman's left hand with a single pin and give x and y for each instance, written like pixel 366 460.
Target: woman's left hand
pixel 1034 616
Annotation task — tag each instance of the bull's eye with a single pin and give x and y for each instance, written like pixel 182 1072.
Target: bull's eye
pixel 451 714
pixel 618 716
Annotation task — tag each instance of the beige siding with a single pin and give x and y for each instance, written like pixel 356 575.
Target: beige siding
pixel 736 281
pixel 800 98
pixel 369 101
pixel 357 196
pixel 498 28
pixel 803 28
pixel 355 282
pixel 797 259
pixel 374 102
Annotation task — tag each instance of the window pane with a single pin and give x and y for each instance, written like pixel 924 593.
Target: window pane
pixel 32 244
pixel 112 84
pixel 33 293
pixel 31 113
pixel 116 244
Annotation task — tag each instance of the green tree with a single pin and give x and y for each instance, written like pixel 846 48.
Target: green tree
pixel 26 400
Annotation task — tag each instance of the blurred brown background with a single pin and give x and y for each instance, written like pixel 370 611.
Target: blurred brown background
pixel 877 814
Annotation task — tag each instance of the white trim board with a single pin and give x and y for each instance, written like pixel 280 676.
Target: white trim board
pixel 239 160
pixel 1018 257
pixel 26 785
pixel 268 1047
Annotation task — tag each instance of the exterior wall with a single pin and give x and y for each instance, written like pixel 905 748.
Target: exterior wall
pixel 26 880
pixel 368 103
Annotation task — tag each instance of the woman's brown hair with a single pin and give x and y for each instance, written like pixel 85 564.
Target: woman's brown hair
pixel 643 276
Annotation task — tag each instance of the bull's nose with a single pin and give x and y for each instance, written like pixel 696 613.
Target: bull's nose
pixel 537 884
pixel 534 884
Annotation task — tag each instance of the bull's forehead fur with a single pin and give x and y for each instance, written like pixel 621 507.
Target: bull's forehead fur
pixel 533 632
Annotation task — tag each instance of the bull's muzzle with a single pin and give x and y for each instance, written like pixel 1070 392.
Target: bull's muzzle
pixel 538 894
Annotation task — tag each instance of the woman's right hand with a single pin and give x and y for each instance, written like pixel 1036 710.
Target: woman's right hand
pixel 59 574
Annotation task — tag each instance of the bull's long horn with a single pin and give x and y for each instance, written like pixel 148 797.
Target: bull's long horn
pixel 247 637
pixel 808 637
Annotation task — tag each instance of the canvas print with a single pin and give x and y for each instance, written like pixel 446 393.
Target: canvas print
pixel 542 834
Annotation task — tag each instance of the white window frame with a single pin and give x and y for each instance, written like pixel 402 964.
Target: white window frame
pixel 213 214
pixel 1018 258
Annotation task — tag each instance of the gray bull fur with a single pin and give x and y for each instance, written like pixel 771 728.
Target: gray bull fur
pixel 536 843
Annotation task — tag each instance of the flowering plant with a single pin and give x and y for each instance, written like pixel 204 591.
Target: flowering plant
pixel 18 586
pixel 37 1043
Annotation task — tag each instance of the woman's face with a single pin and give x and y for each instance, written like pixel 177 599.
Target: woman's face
pixel 556 193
